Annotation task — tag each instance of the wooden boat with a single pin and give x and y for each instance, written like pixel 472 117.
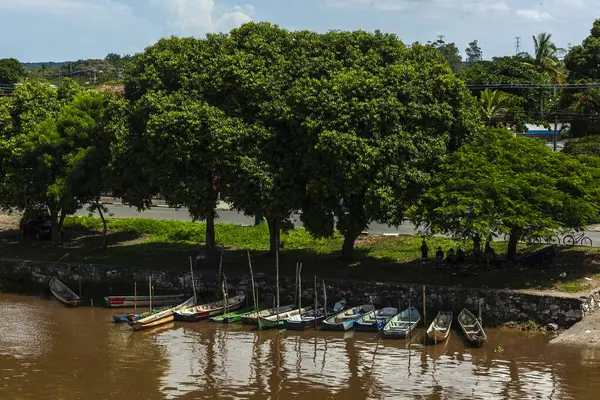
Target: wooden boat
pixel 375 320
pixel 205 311
pixel 402 325
pixel 63 293
pixel 251 318
pixel 162 317
pixel 439 330
pixel 132 317
pixel 313 317
pixel 472 329
pixel 345 320
pixel 142 301
pixel 231 317
pixel 277 320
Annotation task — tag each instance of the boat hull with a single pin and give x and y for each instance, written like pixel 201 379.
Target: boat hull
pixel 138 326
pixel 374 327
pixel 339 326
pixel 471 329
pixel 347 319
pixel 274 322
pixel 302 325
pixel 203 315
pixel 141 301
pixel 251 318
pixel 63 294
pixel 390 334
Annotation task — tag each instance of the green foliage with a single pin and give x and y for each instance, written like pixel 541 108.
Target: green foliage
pixel 56 147
pixel 589 146
pixel 451 53
pixel 514 186
pixel 583 62
pixel 11 71
pixel 511 70
pixel 473 52
pixel 546 57
pixel 500 108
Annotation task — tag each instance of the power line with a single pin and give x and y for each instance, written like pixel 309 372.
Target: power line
pixel 533 86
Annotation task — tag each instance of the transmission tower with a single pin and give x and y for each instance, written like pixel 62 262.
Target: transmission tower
pixel 518 44
pixel 441 38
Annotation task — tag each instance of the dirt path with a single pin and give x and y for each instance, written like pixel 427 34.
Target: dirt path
pixel 583 334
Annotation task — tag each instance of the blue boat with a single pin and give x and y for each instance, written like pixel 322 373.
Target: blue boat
pixel 119 319
pixel 311 318
pixel 374 321
pixel 345 320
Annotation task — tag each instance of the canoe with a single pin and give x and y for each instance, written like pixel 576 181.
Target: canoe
pixel 162 317
pixel 251 318
pixel 471 328
pixel 142 301
pixel 205 311
pixel 345 320
pixel 439 330
pixel 312 318
pixel 231 317
pixel 132 317
pixel 373 321
pixel 402 325
pixel 277 320
pixel 63 293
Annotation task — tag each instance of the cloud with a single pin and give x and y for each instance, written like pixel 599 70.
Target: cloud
pixel 197 17
pixel 534 15
pixel 426 6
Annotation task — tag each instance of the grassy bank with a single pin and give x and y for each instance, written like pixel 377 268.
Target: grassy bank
pixel 145 243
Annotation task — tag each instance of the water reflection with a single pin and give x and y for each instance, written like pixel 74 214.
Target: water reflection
pixel 48 351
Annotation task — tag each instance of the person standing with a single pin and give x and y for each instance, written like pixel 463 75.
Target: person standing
pixel 424 252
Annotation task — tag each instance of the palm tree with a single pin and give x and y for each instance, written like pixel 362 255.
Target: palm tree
pixel 546 57
pixel 494 106
pixel 43 70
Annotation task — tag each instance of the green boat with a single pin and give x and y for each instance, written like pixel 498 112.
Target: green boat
pixel 234 316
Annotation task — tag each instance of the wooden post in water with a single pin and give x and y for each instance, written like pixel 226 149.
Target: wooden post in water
pixel 254 293
pixel 193 281
pixel 296 283
pixel 277 277
pixel 150 290
pixel 408 312
pixel 480 321
pixel 79 286
pixel 324 298
pixel 134 297
pixel 315 305
pixel 424 312
pixel 220 268
pixel 300 286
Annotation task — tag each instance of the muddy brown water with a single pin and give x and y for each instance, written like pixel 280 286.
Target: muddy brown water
pixel 50 352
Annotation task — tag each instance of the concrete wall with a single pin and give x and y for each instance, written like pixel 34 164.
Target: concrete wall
pixel 498 306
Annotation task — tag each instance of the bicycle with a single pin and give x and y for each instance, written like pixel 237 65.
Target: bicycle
pixel 571 240
pixel 554 239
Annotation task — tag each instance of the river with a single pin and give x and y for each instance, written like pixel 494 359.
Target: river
pixel 50 352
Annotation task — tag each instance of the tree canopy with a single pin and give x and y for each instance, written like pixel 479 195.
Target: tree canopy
pixel 11 71
pixel 514 186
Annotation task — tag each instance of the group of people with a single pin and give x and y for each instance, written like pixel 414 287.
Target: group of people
pixel 458 256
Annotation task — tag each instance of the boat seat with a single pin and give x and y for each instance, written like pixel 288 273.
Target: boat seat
pixel 472 332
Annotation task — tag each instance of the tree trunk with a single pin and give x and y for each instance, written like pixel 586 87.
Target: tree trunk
pixel 211 239
pixel 274 234
pixel 348 247
pixel 511 254
pixel 104 228
pixel 55 226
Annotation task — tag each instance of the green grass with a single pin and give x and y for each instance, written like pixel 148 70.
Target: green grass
pixel 156 244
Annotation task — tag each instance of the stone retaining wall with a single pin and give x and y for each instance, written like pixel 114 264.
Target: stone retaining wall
pixel 497 306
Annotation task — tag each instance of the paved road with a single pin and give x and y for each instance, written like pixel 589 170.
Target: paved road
pixel 234 217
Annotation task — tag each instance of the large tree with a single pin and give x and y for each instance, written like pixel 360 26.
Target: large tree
pixel 474 53
pixel 11 71
pixel 450 53
pixel 501 108
pixel 545 58
pixel 53 148
pixel 513 186
pixel 377 138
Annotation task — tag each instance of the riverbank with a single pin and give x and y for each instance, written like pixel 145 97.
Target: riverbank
pixel 585 334
pixel 144 244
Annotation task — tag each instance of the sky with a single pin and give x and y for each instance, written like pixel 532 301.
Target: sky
pixel 60 30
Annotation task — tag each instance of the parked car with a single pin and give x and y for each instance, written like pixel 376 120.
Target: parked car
pixel 38 226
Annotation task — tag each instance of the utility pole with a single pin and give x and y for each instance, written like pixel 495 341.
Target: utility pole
pixel 518 44
pixel 441 38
